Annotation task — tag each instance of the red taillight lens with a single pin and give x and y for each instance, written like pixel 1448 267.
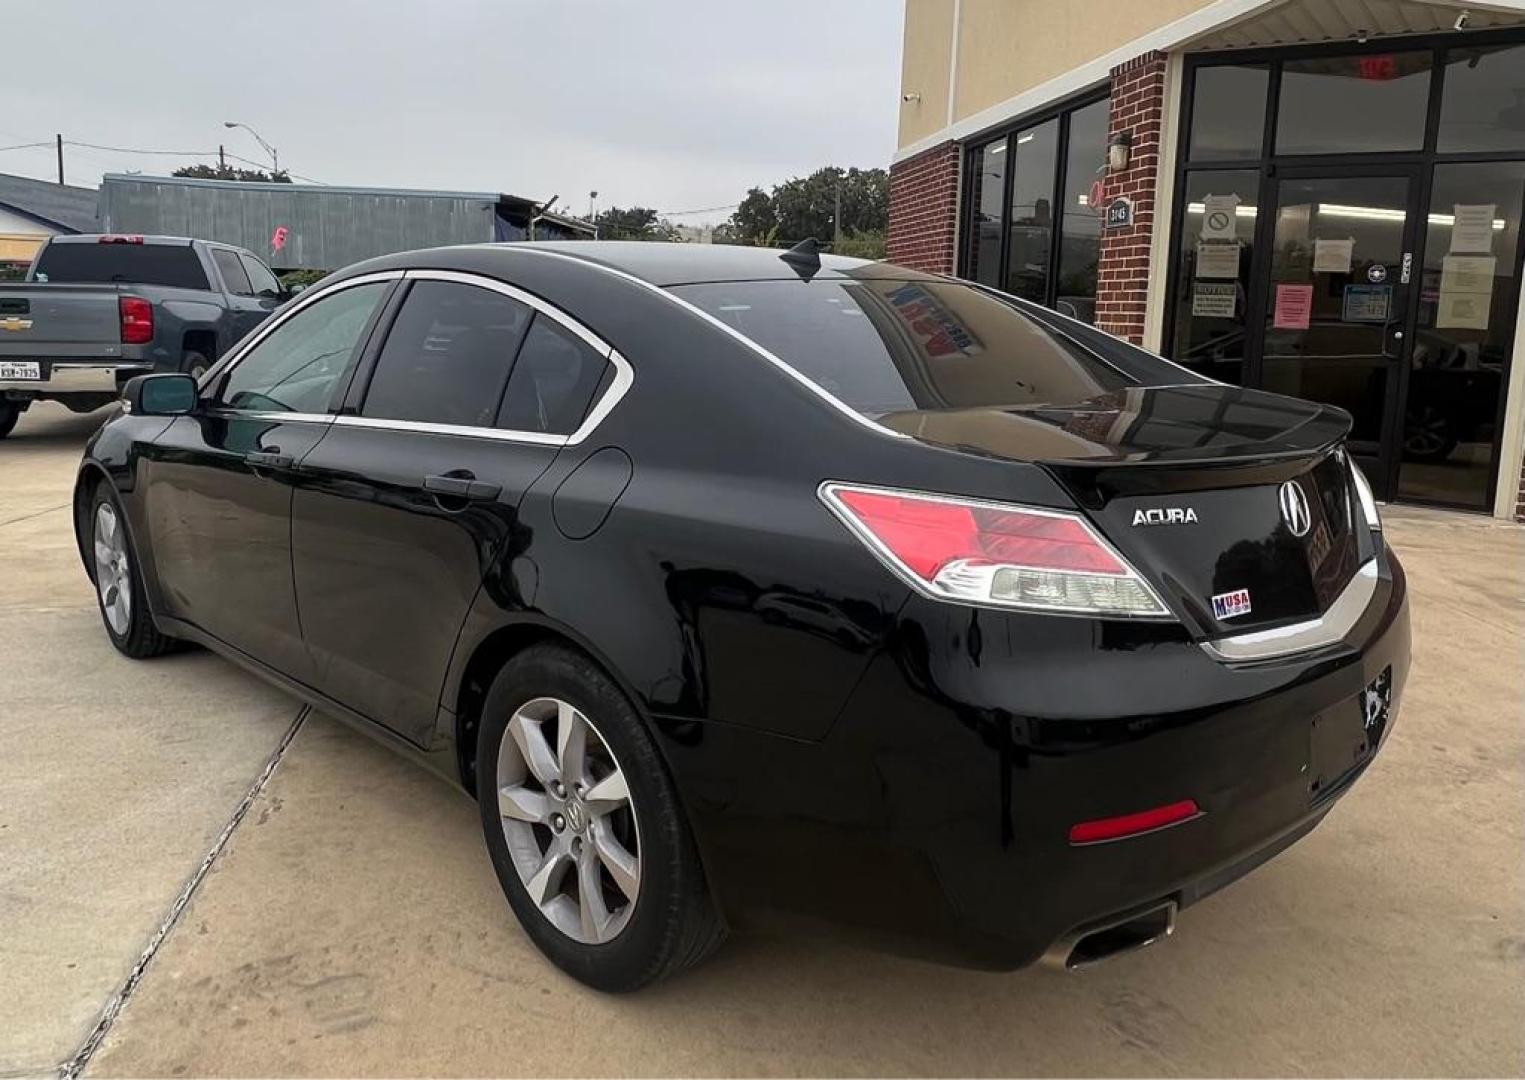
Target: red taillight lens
pixel 1115 828
pixel 992 553
pixel 137 320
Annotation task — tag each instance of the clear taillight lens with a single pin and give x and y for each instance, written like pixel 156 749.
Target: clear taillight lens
pixel 995 554
pixel 1363 494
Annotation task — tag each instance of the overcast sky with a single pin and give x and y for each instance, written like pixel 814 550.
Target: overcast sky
pixel 676 104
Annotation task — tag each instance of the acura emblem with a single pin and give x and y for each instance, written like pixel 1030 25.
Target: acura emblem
pixel 1294 508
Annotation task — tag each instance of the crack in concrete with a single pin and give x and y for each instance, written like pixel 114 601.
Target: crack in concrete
pixel 71 1069
pixel 37 514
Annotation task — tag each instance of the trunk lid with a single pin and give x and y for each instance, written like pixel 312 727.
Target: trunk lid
pixel 1189 483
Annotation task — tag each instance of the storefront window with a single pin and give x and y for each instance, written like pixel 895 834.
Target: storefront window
pixel 1080 227
pixel 1484 100
pixel 1466 318
pixel 1228 112
pixel 985 228
pixel 1032 211
pixel 1213 271
pixel 1353 104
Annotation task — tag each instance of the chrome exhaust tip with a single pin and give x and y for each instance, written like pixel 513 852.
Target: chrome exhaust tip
pixel 1127 933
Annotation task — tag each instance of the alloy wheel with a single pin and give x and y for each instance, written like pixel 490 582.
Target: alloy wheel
pixel 569 820
pixel 113 573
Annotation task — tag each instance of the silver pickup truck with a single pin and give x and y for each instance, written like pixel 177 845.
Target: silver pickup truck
pixel 96 310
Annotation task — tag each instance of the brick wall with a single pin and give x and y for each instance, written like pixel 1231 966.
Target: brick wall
pixel 1138 106
pixel 924 209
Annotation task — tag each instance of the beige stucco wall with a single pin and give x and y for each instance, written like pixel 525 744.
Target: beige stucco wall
pixel 1008 46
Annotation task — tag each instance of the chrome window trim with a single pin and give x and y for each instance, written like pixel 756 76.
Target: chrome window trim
pixel 624 374
pixel 1328 629
pixel 815 388
pixel 462 430
pixel 279 319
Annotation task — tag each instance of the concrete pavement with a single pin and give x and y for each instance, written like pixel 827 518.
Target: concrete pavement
pixel 351 924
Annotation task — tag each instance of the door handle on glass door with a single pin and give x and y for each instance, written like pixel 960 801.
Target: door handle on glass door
pixel 462 485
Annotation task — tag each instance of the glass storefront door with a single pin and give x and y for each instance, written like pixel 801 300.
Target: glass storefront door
pixel 1336 294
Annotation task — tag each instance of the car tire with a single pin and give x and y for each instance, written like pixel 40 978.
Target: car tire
pixel 119 583
pixel 194 364
pixel 670 923
pixel 10 413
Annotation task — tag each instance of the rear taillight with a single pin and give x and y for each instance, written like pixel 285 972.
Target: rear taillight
pixel 995 554
pixel 1115 828
pixel 137 320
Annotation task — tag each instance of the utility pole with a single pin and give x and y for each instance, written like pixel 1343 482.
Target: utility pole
pixel 222 159
pixel 836 218
pixel 58 142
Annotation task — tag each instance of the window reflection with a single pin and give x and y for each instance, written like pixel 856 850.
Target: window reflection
pixel 985 229
pixel 1484 99
pixel 1350 104
pixel 1228 112
pixel 1211 295
pixel 1032 211
pixel 1465 325
pixel 1080 228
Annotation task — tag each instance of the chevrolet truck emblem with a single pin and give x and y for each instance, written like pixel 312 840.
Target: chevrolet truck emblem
pixel 11 322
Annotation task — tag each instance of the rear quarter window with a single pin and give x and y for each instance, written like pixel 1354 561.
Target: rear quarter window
pixel 883 346
pixel 173 265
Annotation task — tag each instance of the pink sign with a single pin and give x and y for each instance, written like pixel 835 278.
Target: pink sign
pixel 1294 305
pixel 278 238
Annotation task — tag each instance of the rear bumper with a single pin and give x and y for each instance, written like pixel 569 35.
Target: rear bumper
pixel 61 378
pixel 937 812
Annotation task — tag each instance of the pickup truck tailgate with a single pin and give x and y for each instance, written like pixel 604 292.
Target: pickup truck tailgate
pixel 59 322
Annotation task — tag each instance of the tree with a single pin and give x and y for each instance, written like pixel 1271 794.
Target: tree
pixel 634 223
pixel 806 207
pixel 228 172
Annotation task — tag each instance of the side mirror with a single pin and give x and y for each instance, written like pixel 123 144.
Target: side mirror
pixel 173 394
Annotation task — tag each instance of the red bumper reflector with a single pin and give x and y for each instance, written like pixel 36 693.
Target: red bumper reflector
pixel 1115 828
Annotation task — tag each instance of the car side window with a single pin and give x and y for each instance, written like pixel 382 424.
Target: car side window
pixel 553 381
pixel 232 272
pixel 296 367
pixel 261 281
pixel 447 356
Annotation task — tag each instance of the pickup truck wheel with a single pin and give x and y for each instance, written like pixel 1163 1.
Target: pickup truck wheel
pixel 118 584
pixel 10 412
pixel 194 364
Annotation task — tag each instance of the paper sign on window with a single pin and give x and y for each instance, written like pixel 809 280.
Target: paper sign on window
pixel 1216 259
pixel 1218 217
pixel 1472 228
pixel 1466 291
pixel 1213 301
pixel 1294 307
pixel 1332 256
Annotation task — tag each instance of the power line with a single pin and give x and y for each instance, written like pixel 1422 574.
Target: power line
pixel 701 210
pixel 27 145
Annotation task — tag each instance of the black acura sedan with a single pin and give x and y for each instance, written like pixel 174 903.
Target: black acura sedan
pixel 739 585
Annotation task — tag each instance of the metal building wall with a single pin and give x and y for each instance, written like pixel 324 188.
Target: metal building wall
pixel 326 228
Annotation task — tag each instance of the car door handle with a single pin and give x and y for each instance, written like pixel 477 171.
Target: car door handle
pixel 462 486
pixel 268 459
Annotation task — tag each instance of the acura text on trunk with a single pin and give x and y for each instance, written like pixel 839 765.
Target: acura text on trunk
pixel 739 584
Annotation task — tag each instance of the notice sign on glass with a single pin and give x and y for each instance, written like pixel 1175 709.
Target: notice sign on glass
pixel 1217 259
pixel 1466 292
pixel 1472 228
pixel 1367 303
pixel 1294 307
pixel 1332 256
pixel 1212 301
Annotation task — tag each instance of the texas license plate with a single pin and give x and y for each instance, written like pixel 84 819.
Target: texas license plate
pixel 20 369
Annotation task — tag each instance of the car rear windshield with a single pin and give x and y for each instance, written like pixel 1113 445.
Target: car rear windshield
pixel 884 346
pixel 141 264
